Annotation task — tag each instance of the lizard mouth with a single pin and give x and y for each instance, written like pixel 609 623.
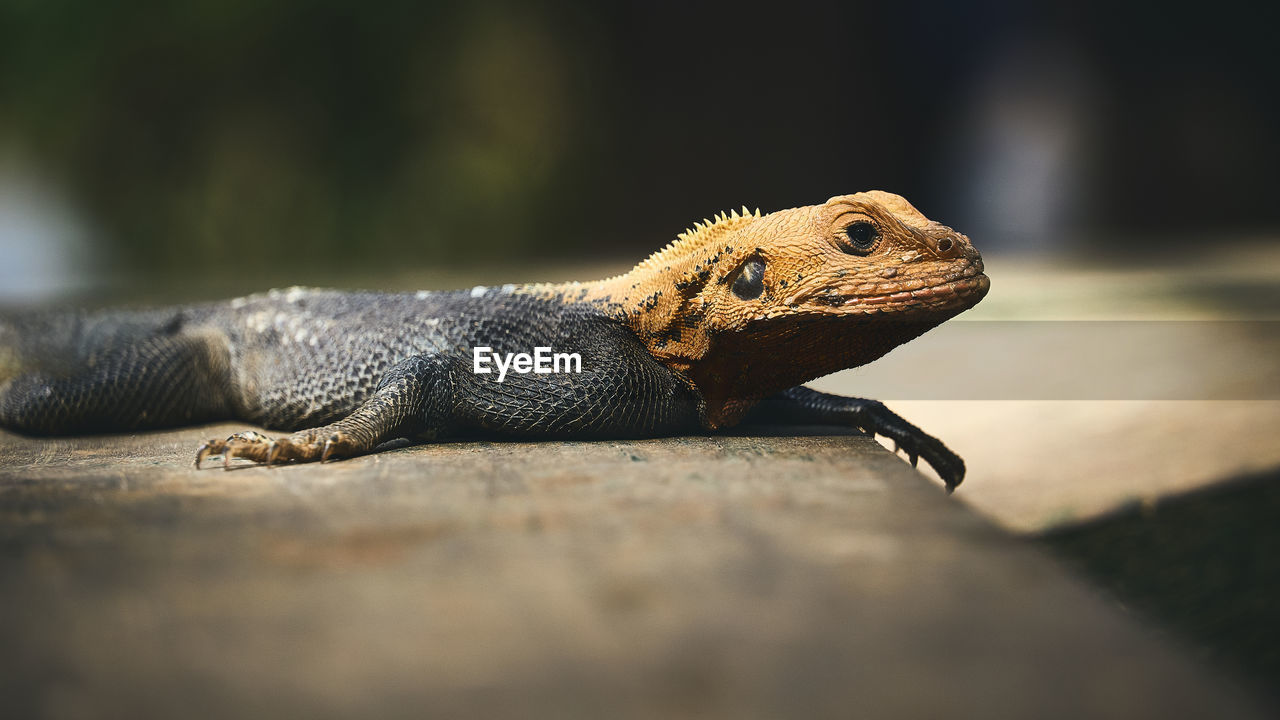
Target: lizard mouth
pixel 960 289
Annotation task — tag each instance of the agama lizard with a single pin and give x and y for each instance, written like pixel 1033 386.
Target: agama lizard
pixel 720 327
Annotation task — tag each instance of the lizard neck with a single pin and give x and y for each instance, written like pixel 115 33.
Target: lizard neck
pixel 662 301
pixel 661 298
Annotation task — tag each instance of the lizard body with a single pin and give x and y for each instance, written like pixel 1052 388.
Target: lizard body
pixel 720 327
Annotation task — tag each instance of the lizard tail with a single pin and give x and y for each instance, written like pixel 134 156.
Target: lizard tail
pixel 63 373
pixel 41 340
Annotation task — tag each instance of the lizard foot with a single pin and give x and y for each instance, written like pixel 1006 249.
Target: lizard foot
pixel 915 442
pixel 306 446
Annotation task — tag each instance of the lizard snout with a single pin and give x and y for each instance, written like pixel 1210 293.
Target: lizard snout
pixel 949 245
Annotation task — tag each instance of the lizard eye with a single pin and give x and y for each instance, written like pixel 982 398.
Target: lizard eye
pixel 750 281
pixel 863 238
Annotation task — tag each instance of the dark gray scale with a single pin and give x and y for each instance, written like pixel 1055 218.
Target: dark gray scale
pixel 298 359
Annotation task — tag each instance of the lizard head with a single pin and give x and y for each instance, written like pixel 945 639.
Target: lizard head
pixel 854 256
pixel 778 299
pixel 862 256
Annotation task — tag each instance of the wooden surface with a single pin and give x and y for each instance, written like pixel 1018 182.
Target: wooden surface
pixel 780 576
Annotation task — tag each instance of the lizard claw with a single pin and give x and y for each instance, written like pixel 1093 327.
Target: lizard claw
pixel 302 446
pixel 248 444
pixel 212 447
pixel 917 444
pixel 329 445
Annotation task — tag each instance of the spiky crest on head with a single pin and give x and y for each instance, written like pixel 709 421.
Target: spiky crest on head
pixel 702 235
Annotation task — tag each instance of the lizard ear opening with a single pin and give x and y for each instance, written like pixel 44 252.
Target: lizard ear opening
pixel 749 282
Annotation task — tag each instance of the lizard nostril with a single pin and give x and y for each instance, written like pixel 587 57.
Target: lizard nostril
pixel 945 245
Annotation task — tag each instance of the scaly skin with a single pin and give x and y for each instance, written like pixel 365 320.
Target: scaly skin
pixel 720 327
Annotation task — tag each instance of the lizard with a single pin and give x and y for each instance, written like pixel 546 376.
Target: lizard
pixel 719 328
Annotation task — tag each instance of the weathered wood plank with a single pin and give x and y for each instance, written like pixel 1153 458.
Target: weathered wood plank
pixel 728 576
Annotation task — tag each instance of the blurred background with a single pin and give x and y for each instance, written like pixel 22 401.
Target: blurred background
pixel 154 148
pixel 1112 160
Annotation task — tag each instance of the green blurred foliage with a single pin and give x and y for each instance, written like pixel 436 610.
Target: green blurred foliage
pixel 200 134
pixel 312 140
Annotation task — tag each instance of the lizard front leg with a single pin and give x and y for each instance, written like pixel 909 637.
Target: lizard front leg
pixel 399 407
pixel 803 406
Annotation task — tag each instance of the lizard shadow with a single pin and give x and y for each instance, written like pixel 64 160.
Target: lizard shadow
pixel 1205 564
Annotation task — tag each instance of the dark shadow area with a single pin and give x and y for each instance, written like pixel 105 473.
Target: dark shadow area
pixel 1205 565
